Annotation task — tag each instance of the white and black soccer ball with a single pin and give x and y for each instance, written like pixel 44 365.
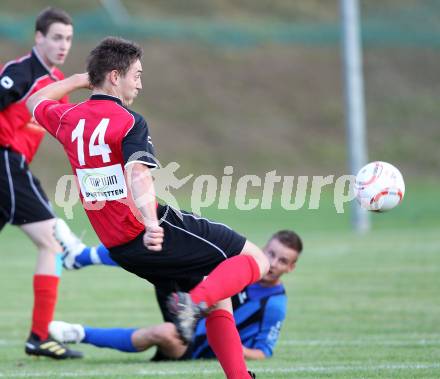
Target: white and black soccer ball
pixel 379 186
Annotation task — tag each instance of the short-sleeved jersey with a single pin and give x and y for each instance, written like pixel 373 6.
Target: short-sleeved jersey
pixel 19 79
pixel 258 312
pixel 100 137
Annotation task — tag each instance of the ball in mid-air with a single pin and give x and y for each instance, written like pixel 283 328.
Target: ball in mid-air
pixel 379 186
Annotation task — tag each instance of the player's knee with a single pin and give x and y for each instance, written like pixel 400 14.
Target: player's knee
pixel 41 234
pixel 48 245
pixel 260 258
pixel 225 304
pixel 263 263
pixel 165 333
pixel 169 329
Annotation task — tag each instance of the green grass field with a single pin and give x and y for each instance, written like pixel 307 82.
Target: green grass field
pixel 359 306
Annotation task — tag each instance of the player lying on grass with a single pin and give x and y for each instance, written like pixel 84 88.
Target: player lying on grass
pixel 259 311
pixel 111 154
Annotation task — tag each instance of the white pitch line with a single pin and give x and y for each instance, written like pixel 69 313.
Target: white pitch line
pixel 422 342
pixel 179 373
pixel 318 343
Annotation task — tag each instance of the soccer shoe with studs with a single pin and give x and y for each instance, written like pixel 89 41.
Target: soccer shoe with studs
pixel 185 313
pixel 71 244
pixel 50 348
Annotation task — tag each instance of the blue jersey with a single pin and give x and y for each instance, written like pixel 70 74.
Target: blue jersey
pixel 258 312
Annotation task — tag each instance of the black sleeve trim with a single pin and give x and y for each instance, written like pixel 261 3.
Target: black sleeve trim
pixel 137 145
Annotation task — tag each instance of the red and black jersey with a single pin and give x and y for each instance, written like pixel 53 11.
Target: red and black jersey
pixel 18 80
pixel 100 137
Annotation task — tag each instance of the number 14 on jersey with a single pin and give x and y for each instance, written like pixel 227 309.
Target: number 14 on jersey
pixel 95 148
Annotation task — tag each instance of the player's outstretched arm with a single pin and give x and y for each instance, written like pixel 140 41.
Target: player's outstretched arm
pixel 58 90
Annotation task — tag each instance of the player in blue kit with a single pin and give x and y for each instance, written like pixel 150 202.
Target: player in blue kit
pixel 259 311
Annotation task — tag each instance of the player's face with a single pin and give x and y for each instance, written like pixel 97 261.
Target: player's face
pixel 55 45
pixel 131 84
pixel 282 259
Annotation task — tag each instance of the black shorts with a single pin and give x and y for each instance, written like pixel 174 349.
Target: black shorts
pixel 22 200
pixel 192 248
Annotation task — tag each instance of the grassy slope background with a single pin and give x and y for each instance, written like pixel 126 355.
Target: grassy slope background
pixel 269 106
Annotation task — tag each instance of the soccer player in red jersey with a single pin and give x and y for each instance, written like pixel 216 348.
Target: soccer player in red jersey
pixel 22 200
pixel 111 153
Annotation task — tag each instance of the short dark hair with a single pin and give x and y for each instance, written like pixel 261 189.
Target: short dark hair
pixel 289 239
pixel 49 16
pixel 111 54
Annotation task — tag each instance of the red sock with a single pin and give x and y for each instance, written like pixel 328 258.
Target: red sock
pixel 225 341
pixel 45 298
pixel 227 279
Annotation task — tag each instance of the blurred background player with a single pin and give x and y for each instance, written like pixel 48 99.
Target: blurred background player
pixel 22 200
pixel 259 311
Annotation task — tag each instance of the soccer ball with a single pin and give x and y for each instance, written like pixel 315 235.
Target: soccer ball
pixel 379 186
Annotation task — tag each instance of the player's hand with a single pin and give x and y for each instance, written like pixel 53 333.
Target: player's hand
pixel 83 80
pixel 153 237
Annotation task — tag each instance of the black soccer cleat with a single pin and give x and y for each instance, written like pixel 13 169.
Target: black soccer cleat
pixel 252 375
pixel 49 348
pixel 185 313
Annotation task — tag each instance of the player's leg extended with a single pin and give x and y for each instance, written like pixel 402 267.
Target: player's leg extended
pixel 232 275
pixel 128 340
pixel 76 254
pixel 227 279
pixel 45 283
pixel 230 261
pixel 223 337
pixel 164 336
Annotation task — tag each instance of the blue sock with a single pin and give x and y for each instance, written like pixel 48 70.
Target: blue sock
pixel 95 256
pixel 104 256
pixel 113 338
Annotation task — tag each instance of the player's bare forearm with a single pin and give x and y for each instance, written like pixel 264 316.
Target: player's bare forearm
pixel 140 183
pixel 58 90
pixel 253 353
